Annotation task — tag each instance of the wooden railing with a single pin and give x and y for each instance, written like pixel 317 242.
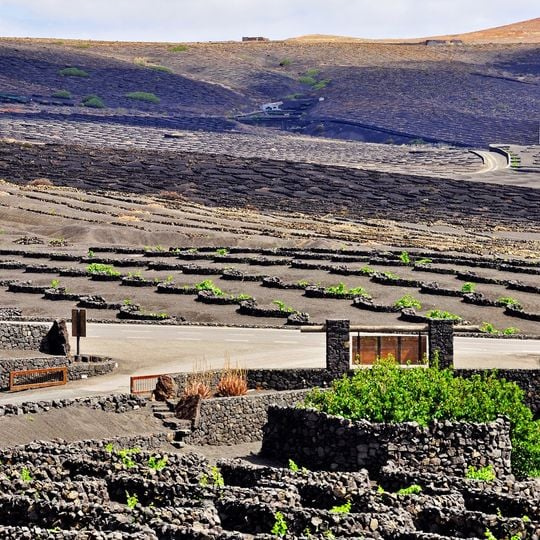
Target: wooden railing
pixel 37 378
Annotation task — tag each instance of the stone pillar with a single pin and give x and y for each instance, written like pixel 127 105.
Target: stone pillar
pixel 441 342
pixel 338 358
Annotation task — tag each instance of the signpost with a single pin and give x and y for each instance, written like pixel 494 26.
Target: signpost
pixel 78 326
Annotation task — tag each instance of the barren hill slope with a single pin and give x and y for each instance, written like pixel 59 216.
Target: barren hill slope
pixel 519 32
pixel 379 92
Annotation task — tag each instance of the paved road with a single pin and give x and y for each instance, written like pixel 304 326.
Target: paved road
pixel 145 349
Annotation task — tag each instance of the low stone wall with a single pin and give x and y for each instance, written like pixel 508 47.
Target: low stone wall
pixel 118 403
pixel 234 420
pixel 319 441
pixel 25 336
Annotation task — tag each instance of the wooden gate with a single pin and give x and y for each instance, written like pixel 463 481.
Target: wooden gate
pixel 406 349
pixel 37 378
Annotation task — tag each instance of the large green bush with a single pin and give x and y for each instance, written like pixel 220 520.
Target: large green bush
pixel 389 393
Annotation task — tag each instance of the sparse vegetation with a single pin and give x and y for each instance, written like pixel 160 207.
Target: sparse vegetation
pixel 441 314
pixel 131 500
pixel 344 508
pixel 92 101
pixel 73 72
pixel 157 464
pixel 285 62
pixel 414 489
pixel 62 94
pixel 404 257
pixel 147 97
pixel 283 307
pixel 408 301
pixel 341 290
pixel 468 287
pixel 178 48
pixel 213 478
pixel 485 474
pixel 99 268
pixel 508 301
pixel 489 328
pixel 280 527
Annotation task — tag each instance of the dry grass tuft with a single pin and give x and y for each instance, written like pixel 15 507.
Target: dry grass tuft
pixel 126 217
pixel 233 381
pixel 40 182
pixel 199 382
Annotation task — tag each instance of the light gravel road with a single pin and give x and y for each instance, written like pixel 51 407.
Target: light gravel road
pixel 146 349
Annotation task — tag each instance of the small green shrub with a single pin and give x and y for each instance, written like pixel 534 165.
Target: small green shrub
pixel 222 251
pixel 147 97
pixel 73 72
pixel 421 262
pixel 213 478
pixel 62 94
pixel 283 307
pixel 208 285
pixel 279 528
pixel 93 102
pixel 320 85
pixel 468 287
pixel 131 500
pixel 341 509
pixel 367 270
pixel 510 331
pixel 178 48
pixel 305 79
pixel 25 475
pixel 55 283
pixel 415 489
pixel 508 301
pixel 157 464
pixel 486 474
pixel 408 301
pixel 285 62
pixel 99 268
pixel 313 72
pixel 440 314
pixel 341 290
pixel 488 328
pixel 404 257
pixel 90 254
pixel 390 275
pixel 157 67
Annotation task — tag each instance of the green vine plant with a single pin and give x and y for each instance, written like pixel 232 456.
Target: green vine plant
pixel 131 500
pixel 212 479
pixel 485 474
pixel 414 489
pixel 157 464
pixel 342 509
pixel 280 527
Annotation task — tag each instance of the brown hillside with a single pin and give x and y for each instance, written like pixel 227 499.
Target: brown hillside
pixel 520 32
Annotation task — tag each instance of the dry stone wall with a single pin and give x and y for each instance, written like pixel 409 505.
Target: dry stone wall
pixel 235 420
pixel 320 441
pixel 24 336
